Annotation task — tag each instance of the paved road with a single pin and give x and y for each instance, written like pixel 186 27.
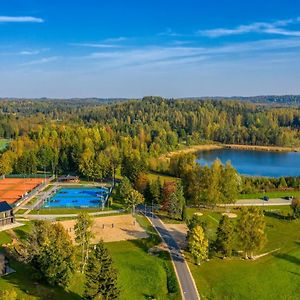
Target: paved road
pixel 260 202
pixel 186 280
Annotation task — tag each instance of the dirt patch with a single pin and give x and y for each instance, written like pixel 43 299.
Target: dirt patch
pixel 263 148
pixel 111 229
pixel 178 232
pixel 230 215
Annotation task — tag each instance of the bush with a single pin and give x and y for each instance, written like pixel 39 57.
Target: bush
pixel 172 284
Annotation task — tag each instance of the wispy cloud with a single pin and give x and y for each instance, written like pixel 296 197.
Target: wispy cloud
pixel 20 19
pixel 106 43
pixel 180 54
pixel 277 27
pixel 169 32
pixel 35 52
pixel 96 45
pixel 40 61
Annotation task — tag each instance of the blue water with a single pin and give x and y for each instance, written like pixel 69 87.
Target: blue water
pixel 255 163
pixel 77 197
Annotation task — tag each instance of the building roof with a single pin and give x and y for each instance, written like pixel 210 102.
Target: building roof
pixel 4 206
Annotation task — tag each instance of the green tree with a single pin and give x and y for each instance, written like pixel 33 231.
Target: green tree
pixel 198 244
pixel 282 183
pixel 295 206
pixel 251 230
pixel 83 236
pixel 230 182
pixel 124 188
pixel 50 251
pixel 225 236
pixel 101 277
pixel 133 199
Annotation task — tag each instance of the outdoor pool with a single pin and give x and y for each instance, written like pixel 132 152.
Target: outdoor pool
pixel 78 197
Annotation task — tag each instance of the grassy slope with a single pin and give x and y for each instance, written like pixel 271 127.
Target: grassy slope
pixel 275 276
pixel 140 275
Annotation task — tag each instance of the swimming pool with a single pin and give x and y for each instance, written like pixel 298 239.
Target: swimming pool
pixel 78 197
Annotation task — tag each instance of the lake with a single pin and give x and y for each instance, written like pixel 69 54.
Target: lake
pixel 255 163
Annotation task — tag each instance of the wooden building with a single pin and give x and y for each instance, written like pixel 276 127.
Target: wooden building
pixel 6 214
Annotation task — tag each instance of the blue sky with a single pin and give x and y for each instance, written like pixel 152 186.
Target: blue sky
pixel 161 47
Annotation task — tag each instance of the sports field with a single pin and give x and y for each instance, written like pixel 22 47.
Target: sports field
pixel 12 189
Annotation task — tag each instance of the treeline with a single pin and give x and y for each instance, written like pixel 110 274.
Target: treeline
pixel 183 120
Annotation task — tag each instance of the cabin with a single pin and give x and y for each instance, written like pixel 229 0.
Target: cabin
pixel 6 214
pixel 69 179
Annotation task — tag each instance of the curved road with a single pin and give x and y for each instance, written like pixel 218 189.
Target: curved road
pixel 186 281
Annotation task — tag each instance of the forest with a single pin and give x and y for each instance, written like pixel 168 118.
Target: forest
pixel 100 138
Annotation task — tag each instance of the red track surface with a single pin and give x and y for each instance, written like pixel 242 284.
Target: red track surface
pixel 12 189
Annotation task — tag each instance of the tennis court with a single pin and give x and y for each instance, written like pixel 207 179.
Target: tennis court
pixel 78 197
pixel 12 189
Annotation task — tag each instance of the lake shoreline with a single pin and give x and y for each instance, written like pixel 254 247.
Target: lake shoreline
pixel 209 147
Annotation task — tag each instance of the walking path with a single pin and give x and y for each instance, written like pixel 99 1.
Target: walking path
pixel 53 217
pixel 186 281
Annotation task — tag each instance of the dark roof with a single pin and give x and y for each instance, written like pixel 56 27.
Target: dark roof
pixel 4 206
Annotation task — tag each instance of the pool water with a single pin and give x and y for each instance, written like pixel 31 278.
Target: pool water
pixel 78 197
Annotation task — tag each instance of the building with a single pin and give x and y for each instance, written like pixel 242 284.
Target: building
pixel 69 179
pixel 6 214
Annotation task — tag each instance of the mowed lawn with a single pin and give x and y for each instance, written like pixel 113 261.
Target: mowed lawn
pixel 274 276
pixel 141 275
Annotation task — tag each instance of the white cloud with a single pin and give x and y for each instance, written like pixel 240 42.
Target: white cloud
pixel 257 27
pixel 35 52
pixel 96 45
pixel 25 19
pixel 41 61
pixel 180 54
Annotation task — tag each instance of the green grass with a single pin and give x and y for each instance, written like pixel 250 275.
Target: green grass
pixel 275 276
pixel 270 195
pixel 140 274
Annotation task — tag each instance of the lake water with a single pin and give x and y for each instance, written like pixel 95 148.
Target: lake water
pixel 255 163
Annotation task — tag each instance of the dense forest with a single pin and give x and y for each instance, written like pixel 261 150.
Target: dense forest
pixel 83 136
pixel 101 138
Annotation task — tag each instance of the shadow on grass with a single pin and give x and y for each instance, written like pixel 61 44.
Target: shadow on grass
pixel 24 280
pixel 277 215
pixel 289 258
pixel 21 234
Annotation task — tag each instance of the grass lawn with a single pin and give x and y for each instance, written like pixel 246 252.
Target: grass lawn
pixel 270 195
pixel 275 276
pixel 140 274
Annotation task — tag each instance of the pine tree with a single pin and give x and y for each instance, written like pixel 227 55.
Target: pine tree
pixel 225 236
pixel 101 277
pixel 198 244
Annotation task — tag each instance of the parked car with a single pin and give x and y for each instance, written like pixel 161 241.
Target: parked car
pixel 289 197
pixel 266 198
